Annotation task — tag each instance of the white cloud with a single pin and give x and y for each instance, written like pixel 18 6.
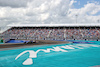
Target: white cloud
pixel 14 3
pixel 37 11
pixel 48 11
pixel 85 14
pixel 72 2
pixel 44 16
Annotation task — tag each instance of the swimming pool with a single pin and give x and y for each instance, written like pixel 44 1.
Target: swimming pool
pixel 61 55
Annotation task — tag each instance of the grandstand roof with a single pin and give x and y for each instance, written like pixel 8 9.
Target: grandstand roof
pixel 52 25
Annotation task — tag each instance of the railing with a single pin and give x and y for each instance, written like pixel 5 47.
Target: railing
pixel 49 33
pixel 65 33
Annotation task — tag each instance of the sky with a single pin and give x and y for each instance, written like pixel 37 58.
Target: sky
pixel 48 11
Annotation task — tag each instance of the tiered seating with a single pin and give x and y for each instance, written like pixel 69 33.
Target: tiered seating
pixel 58 34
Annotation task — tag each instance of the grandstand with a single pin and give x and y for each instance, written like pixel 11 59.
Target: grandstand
pixel 53 31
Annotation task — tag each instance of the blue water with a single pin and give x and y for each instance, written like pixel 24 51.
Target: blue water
pixel 86 57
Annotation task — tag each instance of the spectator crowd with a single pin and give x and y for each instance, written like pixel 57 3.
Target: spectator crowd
pixel 52 34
